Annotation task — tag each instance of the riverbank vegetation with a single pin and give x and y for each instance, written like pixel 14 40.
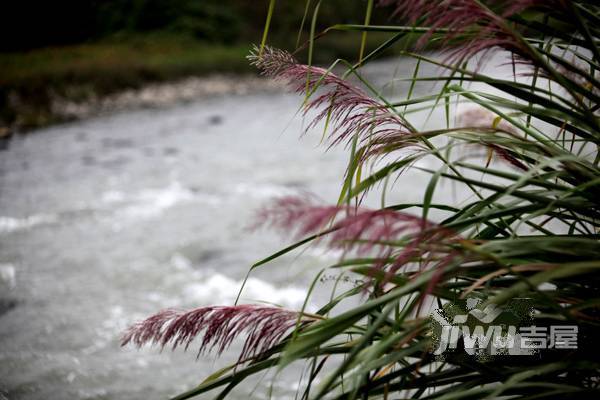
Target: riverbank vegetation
pixel 31 81
pixel 526 154
pixel 116 45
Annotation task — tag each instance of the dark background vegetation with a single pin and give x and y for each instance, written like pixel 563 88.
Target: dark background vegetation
pixel 33 24
pixel 76 49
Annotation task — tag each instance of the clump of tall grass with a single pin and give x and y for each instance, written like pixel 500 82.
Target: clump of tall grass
pixel 528 230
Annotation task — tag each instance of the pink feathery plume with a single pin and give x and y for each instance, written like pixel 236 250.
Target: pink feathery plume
pixel 480 118
pixel 363 230
pixel 483 28
pixel 384 145
pixel 347 224
pixel 347 108
pixel 507 156
pixel 264 326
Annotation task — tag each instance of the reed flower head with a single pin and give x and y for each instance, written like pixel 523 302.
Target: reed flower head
pixel 345 107
pixel 264 327
pixel 398 238
pixel 480 118
pixel 479 27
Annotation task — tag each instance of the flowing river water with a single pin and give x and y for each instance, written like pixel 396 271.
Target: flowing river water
pixel 108 220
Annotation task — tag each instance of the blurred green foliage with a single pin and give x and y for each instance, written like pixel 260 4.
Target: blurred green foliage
pixel 73 49
pixel 30 24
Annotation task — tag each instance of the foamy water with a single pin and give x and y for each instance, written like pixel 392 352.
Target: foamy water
pixel 11 224
pixel 113 219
